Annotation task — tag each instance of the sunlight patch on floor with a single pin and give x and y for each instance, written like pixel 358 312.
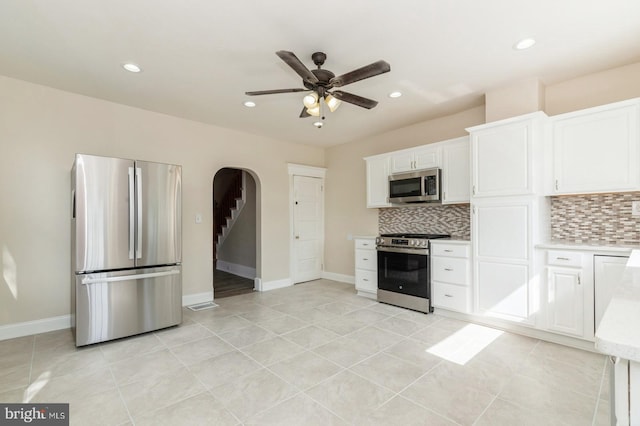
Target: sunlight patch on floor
pixel 465 343
pixel 36 386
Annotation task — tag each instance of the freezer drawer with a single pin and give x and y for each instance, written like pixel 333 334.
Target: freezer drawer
pixel 112 305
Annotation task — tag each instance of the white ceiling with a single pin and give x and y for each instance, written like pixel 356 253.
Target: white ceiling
pixel 200 56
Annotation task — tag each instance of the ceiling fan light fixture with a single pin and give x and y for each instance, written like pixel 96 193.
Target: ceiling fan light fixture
pixel 249 104
pixel 395 94
pixel 310 100
pixel 318 124
pixel 315 111
pixel 332 103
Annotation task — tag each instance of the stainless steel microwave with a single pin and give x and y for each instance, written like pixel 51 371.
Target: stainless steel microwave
pixel 421 186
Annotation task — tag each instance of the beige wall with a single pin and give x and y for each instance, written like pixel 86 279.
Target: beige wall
pixel 40 131
pixel 346 212
pixel 592 90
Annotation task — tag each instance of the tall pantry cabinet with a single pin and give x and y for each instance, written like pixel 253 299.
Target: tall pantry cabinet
pixel 509 216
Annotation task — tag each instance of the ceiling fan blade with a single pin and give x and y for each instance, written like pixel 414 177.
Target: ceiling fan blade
pixel 295 63
pixel 304 113
pixel 273 92
pixel 354 99
pixel 367 71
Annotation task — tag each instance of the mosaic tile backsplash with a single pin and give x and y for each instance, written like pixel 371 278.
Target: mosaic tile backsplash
pixel 603 219
pixel 452 219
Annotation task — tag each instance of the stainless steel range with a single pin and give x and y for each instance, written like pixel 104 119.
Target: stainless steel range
pixel 404 275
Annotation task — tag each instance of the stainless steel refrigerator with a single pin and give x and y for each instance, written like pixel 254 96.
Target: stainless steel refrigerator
pixel 126 249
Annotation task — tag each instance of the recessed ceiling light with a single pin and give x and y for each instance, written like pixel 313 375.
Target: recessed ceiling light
pixel 395 94
pixel 249 104
pixel 131 67
pixel 525 43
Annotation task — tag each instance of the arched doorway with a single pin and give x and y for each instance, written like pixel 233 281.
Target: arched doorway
pixel 235 232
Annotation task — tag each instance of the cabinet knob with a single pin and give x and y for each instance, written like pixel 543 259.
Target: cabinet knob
pixel 364 279
pixel 562 258
pixel 448 269
pixel 448 250
pixel 448 295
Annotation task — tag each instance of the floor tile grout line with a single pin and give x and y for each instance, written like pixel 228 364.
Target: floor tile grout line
pixel 124 403
pixel 602 384
pixel 33 356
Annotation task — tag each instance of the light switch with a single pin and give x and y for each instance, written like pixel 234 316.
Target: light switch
pixel 198 218
pixel 635 208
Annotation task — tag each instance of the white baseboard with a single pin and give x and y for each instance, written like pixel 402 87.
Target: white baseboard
pixel 349 279
pixel 235 269
pixel 272 285
pixel 45 325
pixel 28 328
pixel 192 299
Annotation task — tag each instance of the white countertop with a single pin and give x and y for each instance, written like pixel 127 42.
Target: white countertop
pixel 619 330
pixel 626 250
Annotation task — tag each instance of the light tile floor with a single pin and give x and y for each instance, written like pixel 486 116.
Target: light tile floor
pixel 312 354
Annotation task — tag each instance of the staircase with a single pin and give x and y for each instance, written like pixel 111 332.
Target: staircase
pixel 229 207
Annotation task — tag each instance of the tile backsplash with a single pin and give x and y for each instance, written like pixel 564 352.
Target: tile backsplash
pixel 451 219
pixel 595 219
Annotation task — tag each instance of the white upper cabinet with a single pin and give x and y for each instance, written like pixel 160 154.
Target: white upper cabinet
pixel 452 156
pixel 456 167
pixel 596 150
pixel 416 159
pixel 378 181
pixel 505 155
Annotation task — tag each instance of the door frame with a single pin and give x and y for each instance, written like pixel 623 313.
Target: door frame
pixel 306 171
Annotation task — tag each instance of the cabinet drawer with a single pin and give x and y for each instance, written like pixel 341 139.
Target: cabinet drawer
pixel 449 270
pixel 564 258
pixel 450 296
pixel 449 250
pixel 366 259
pixel 366 244
pixel 367 280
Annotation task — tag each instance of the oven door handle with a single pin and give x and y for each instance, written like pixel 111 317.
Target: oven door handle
pixel 421 251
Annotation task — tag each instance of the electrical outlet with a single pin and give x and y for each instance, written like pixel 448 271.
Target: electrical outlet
pixel 635 208
pixel 198 218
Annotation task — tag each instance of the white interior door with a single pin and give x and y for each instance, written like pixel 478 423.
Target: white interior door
pixel 308 228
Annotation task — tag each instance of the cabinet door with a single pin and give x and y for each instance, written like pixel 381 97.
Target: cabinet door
pixel 503 290
pixel 455 172
pixel 597 151
pixel 378 182
pixel 427 158
pixel 502 259
pixel 565 301
pixel 608 272
pixel 502 231
pixel 402 162
pixel 502 160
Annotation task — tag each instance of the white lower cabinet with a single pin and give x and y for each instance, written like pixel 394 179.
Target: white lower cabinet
pixel 366 267
pixel 608 272
pixel 451 275
pixel 565 300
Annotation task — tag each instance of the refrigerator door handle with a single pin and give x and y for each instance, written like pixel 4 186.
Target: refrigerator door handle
pixel 132 211
pixel 139 221
pixel 129 277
